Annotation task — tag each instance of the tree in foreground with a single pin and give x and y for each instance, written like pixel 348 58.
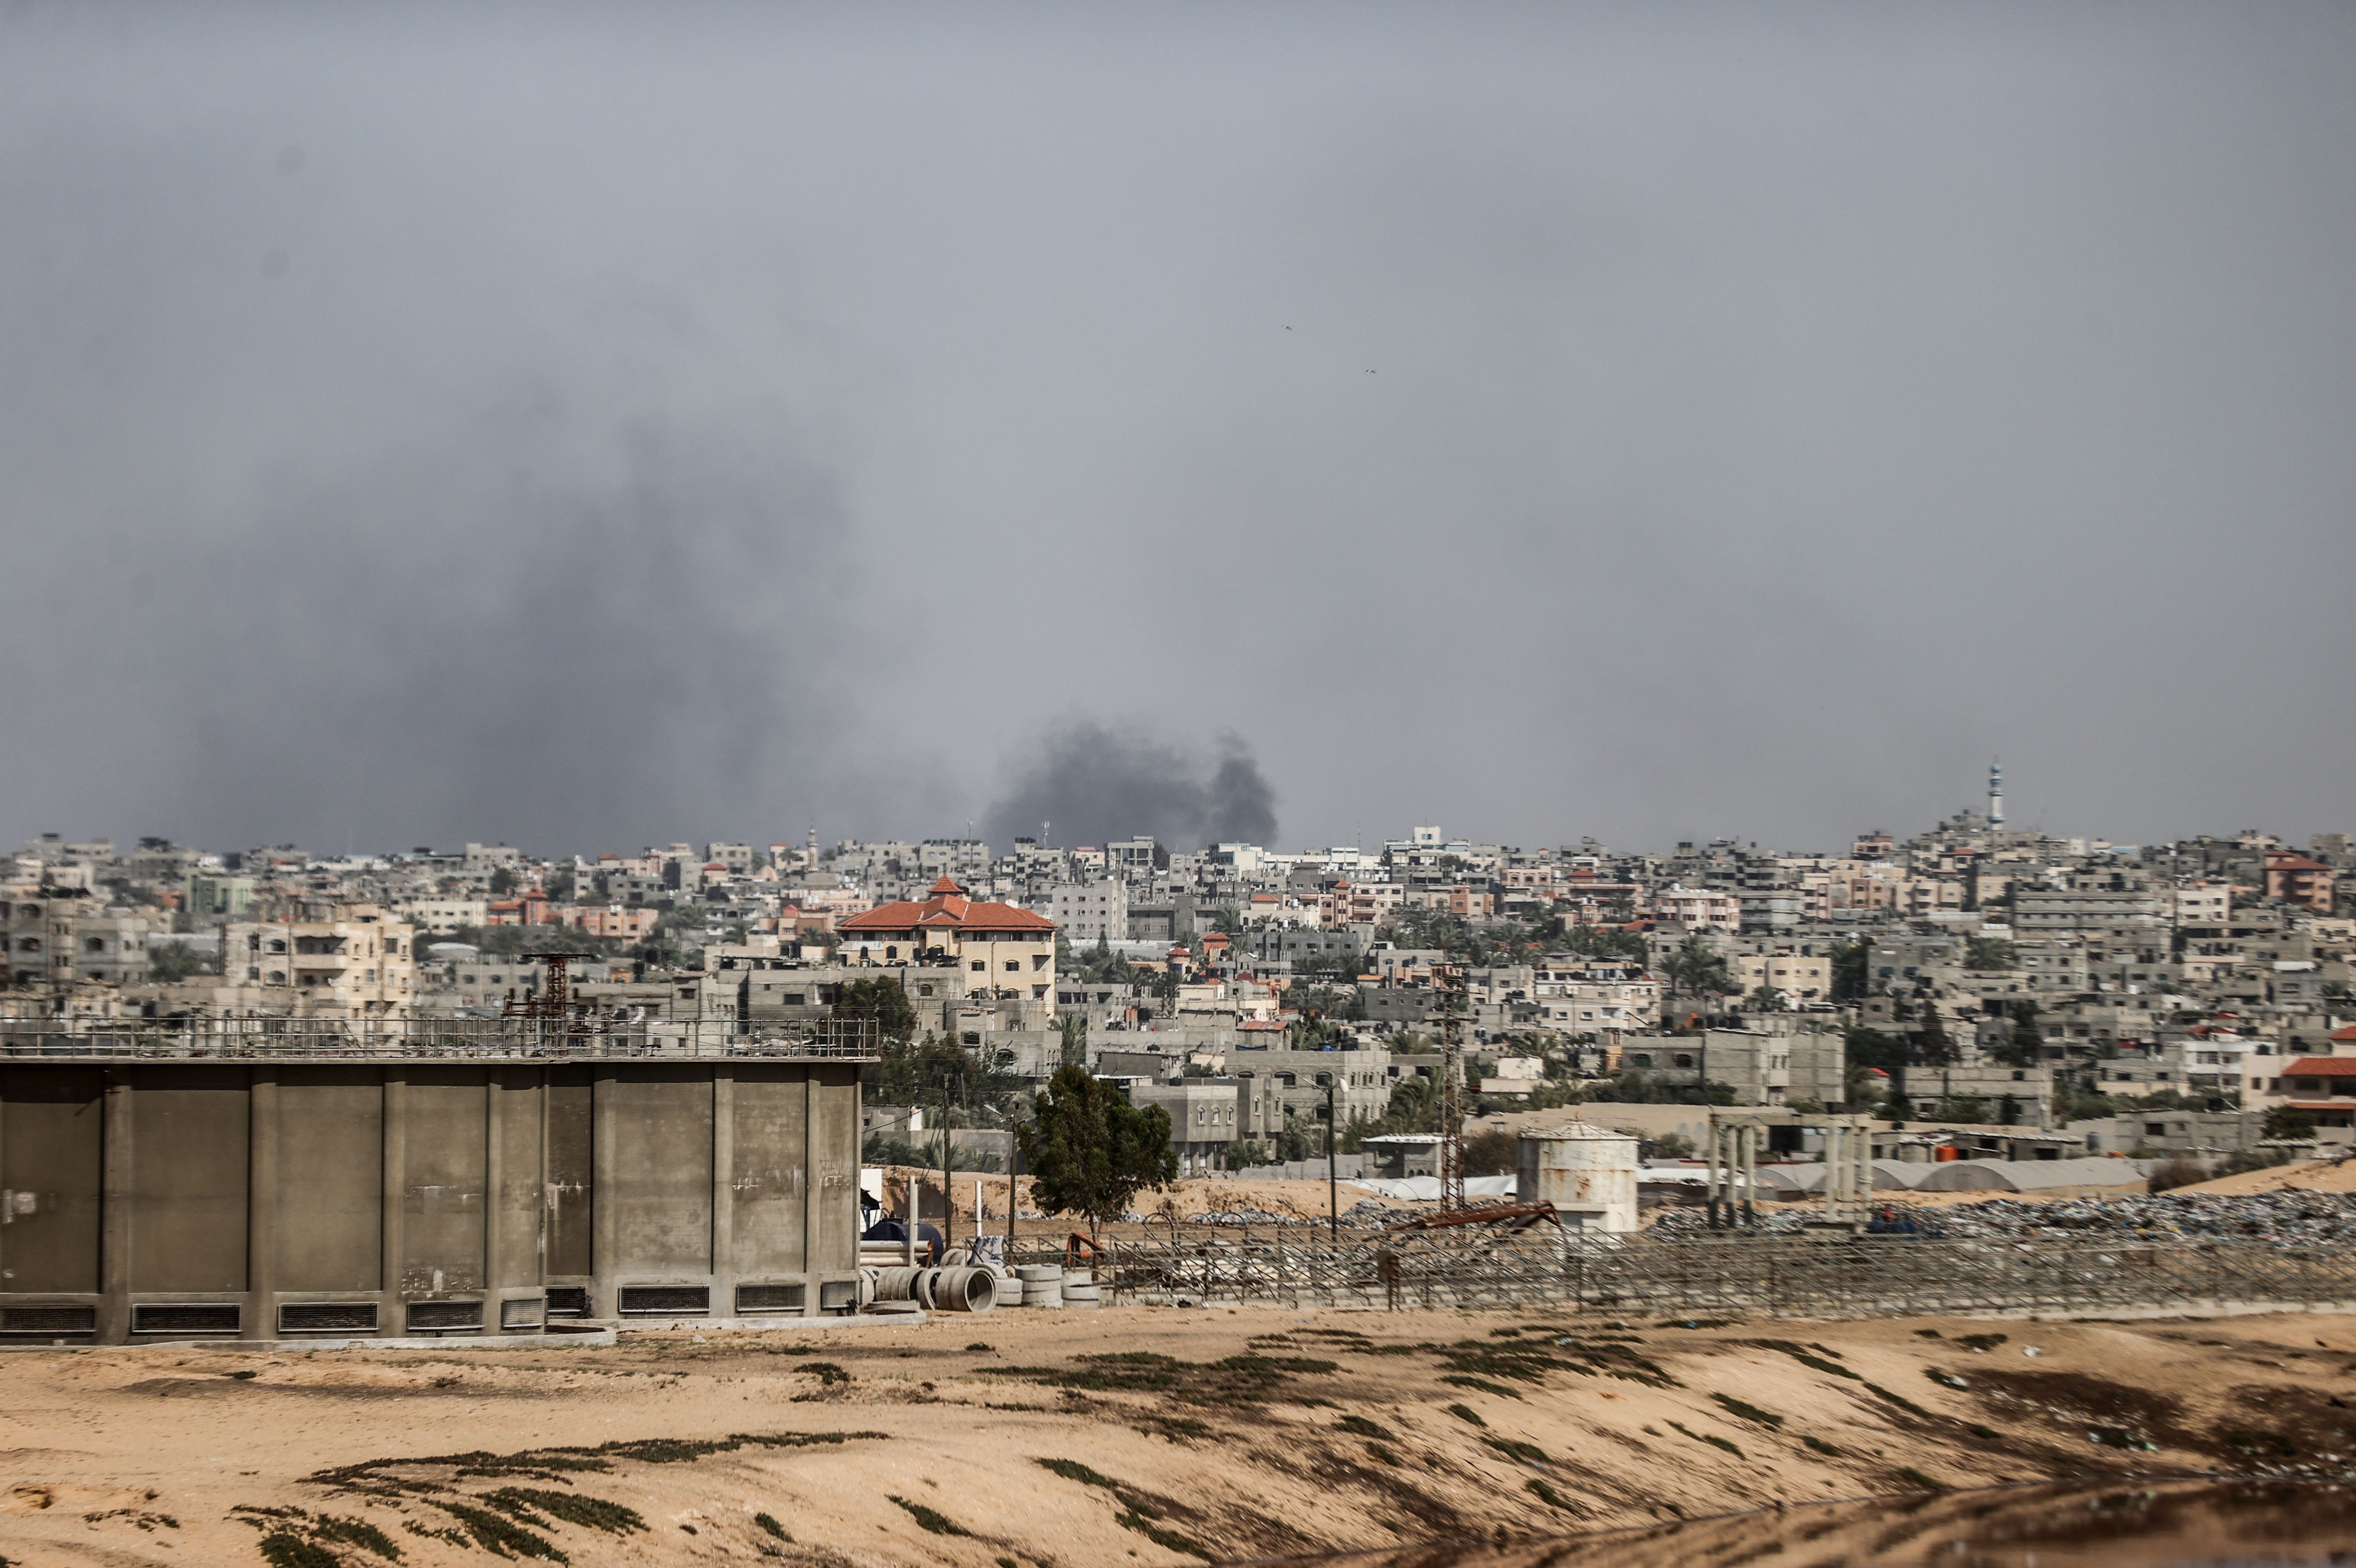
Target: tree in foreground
pixel 1089 1151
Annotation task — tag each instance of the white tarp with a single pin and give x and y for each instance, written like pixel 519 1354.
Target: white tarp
pixel 1428 1187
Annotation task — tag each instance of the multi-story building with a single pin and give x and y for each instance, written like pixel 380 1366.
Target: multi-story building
pixel 1000 947
pixel 1804 977
pixel 1699 909
pixel 1762 1069
pixel 356 961
pixel 213 895
pixel 1090 912
pixel 444 916
pixel 2295 879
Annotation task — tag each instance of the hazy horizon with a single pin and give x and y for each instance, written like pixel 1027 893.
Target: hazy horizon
pixel 577 426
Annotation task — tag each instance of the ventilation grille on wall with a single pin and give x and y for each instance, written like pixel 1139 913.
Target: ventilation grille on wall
pixel 839 1296
pixel 659 1300
pixel 524 1312
pixel 753 1300
pixel 568 1301
pixel 327 1317
pixel 48 1319
pixel 440 1315
pixel 208 1318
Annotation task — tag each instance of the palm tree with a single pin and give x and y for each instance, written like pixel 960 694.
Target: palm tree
pixel 1696 969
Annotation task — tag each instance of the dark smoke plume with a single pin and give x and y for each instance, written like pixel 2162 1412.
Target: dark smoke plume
pixel 1093 784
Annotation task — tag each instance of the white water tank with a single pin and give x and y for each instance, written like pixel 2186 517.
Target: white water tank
pixel 1589 1174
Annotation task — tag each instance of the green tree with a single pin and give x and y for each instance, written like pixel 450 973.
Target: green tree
pixel 2026 1043
pixel 1865 1049
pixel 1852 969
pixel 1989 953
pixel 1072 1031
pixel 1091 1151
pixel 1605 941
pixel 179 961
pixel 2289 1123
pixel 1695 970
pixel 1766 999
pixel 880 998
pixel 1933 1047
pixel 503 880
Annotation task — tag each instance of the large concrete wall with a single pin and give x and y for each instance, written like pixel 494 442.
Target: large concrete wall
pixel 144 1201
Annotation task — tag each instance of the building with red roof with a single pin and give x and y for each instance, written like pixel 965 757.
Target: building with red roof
pixel 2325 1086
pixel 2295 879
pixel 1002 948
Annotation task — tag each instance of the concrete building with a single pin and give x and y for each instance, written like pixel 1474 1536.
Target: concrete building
pixel 60 938
pixel 1761 1068
pixel 300 1191
pixel 1090 912
pixel 1801 976
pixel 444 916
pixel 214 895
pixel 356 961
pixel 1001 948
pixel 1202 1119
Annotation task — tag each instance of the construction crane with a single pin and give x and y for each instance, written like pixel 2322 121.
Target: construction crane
pixel 1448 978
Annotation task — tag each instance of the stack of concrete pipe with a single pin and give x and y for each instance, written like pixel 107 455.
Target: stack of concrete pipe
pixel 1042 1284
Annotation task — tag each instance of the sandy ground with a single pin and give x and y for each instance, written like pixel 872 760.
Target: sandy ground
pixel 1187 1198
pixel 1024 1437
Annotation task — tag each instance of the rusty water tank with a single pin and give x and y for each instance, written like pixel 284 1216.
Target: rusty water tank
pixel 1587 1173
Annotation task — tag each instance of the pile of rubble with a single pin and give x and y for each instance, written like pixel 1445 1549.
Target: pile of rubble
pixel 1366 1212
pixel 2290 1218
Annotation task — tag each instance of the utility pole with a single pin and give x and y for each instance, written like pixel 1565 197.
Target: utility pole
pixel 1450 978
pixel 948 1198
pixel 1333 1180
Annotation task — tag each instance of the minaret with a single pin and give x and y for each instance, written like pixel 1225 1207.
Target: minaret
pixel 1995 794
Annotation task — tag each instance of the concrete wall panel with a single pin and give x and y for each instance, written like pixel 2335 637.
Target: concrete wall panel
pixel 189 1149
pixel 769 1177
pixel 52 1168
pixel 662 1138
pixel 570 1175
pixel 330 1178
pixel 834 1165
pixel 516 1127
pixel 442 1188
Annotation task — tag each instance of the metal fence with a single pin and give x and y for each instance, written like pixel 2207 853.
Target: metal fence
pixel 1829 1276
pixel 532 1039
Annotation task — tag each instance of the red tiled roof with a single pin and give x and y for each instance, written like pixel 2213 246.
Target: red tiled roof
pixel 2321 1067
pixel 946 912
pixel 2291 860
pixel 2346 1032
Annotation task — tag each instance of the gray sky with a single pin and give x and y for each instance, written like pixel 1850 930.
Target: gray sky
pixel 581 427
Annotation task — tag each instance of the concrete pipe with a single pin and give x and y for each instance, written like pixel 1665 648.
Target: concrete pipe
pixel 964 1290
pixel 897 1284
pixel 1030 1274
pixel 1043 1291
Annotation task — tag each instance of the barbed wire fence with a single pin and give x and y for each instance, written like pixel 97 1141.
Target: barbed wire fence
pixel 1833 1276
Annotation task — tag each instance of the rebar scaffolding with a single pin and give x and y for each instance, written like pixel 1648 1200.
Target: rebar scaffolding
pixel 517 1036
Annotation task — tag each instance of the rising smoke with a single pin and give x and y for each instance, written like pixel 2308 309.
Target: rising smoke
pixel 1095 783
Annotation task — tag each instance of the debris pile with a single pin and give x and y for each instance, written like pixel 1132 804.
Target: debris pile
pixel 2290 1218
